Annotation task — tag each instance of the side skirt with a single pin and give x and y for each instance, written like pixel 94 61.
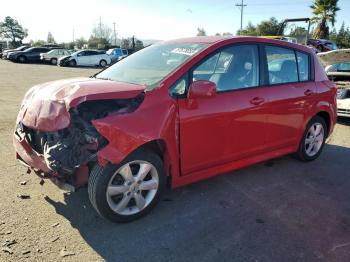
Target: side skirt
pixel 231 166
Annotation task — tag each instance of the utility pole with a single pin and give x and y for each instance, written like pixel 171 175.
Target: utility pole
pixel 241 6
pixel 100 26
pixel 73 35
pixel 115 35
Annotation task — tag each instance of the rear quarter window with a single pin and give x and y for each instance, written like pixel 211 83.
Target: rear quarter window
pixel 303 66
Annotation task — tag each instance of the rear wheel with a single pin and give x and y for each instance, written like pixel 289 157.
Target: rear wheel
pixel 103 63
pixel 22 59
pixel 72 63
pixel 313 140
pixel 53 61
pixel 129 190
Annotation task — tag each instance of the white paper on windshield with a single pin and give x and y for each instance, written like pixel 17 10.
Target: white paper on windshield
pixel 184 51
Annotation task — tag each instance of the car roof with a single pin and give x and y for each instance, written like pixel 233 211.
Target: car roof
pixel 212 40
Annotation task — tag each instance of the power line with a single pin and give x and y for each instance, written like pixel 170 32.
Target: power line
pixel 241 6
pixel 115 35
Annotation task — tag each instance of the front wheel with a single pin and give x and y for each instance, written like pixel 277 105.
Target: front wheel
pixel 72 63
pixel 129 190
pixel 313 140
pixel 103 63
pixel 22 59
pixel 53 61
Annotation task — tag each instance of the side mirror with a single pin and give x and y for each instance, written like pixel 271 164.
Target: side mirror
pixel 202 89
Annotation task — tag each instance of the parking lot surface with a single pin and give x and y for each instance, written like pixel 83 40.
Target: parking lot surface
pixel 280 210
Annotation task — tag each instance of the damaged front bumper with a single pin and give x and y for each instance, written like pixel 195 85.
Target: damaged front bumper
pixel 66 155
pixel 35 162
pixel 62 156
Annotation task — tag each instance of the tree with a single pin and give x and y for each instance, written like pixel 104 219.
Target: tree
pixel 341 36
pixel 38 43
pixel 333 35
pixel 298 31
pixel 132 43
pixel 249 30
pixel 201 32
pixel 11 29
pixel 138 45
pixel 50 39
pixel 98 43
pixel 102 30
pixel 125 43
pixel 268 27
pixel 70 45
pixel 324 11
pixel 80 42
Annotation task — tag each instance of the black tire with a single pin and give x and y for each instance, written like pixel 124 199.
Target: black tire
pixel 100 178
pixel 53 61
pixel 21 59
pixel 302 152
pixel 103 63
pixel 72 63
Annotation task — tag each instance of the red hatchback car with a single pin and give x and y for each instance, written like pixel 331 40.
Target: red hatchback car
pixel 178 112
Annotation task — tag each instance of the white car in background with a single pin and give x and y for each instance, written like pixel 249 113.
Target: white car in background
pixel 86 58
pixel 337 66
pixel 54 55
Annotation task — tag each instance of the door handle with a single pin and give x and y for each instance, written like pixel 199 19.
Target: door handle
pixel 257 101
pixel 308 92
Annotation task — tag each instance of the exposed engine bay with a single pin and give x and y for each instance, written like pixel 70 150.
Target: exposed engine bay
pixel 67 149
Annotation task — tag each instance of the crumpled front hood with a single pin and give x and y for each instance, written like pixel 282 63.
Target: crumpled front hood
pixel 46 107
pixel 64 57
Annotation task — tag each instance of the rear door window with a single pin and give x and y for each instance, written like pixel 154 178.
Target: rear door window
pixel 282 65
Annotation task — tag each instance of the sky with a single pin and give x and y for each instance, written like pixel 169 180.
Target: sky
pixel 151 19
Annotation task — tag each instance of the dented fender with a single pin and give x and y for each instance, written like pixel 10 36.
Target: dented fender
pixel 149 122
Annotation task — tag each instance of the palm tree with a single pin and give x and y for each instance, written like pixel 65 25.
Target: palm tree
pixel 324 11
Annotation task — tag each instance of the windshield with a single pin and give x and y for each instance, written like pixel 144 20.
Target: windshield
pixel 151 64
pixel 76 52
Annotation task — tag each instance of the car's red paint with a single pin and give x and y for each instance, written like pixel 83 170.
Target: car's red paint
pixel 45 107
pixel 202 88
pixel 205 137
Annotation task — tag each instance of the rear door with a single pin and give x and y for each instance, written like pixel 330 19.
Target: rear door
pixel 83 58
pixel 94 58
pixel 230 126
pixel 290 95
pixel 35 54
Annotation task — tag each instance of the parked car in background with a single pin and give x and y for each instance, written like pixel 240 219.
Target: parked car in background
pixel 337 66
pixel 340 74
pixel 322 45
pixel 117 54
pixel 178 111
pixel 53 55
pixel 6 53
pixel 29 55
pixel 86 58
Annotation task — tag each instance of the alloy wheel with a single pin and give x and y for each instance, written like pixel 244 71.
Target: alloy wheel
pixel 314 139
pixel 132 187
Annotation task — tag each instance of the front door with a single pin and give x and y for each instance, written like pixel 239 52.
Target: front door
pixel 230 126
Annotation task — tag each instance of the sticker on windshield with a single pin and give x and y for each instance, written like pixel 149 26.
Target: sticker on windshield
pixel 184 51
